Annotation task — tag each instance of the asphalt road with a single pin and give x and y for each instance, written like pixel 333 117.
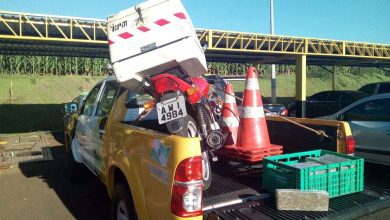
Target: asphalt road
pixel 41 190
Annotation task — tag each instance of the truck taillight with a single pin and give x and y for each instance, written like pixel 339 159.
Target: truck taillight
pixel 350 145
pixel 187 188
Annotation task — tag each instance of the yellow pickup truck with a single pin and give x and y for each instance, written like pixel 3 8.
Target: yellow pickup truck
pixel 151 174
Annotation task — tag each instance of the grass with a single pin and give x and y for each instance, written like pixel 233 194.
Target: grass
pixel 43 89
pixel 37 100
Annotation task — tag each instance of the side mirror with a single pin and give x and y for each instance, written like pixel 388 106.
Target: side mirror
pixel 71 107
pixel 204 48
pixel 340 117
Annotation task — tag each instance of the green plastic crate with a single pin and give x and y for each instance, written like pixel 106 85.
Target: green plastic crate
pixel 337 178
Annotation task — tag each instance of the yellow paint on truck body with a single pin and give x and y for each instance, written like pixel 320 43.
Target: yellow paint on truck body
pixel 129 149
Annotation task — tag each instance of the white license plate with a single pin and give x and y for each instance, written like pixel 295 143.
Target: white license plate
pixel 171 109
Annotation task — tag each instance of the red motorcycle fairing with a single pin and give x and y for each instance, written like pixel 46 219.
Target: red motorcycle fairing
pixel 167 82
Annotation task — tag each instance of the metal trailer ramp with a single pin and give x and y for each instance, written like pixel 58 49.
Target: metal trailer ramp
pixel 24 149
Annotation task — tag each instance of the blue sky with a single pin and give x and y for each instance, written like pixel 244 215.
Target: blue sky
pixel 355 20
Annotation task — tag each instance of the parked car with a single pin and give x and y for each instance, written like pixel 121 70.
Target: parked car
pixel 376 88
pixel 369 120
pixel 327 102
pixel 274 109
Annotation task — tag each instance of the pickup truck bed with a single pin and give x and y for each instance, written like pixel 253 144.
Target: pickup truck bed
pixel 345 207
pixel 236 193
pixel 232 183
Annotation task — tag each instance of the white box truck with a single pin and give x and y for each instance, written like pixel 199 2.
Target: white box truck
pixel 151 38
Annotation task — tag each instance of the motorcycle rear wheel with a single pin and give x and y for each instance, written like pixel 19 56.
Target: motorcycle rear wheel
pixel 190 129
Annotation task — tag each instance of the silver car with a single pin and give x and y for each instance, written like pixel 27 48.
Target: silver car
pixel 369 119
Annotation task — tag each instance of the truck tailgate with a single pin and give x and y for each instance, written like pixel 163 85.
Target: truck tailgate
pixel 345 207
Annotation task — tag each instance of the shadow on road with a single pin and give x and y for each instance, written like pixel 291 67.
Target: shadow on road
pixel 84 200
pixel 21 118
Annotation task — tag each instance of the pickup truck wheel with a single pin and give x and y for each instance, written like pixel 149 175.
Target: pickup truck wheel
pixel 206 170
pixel 122 204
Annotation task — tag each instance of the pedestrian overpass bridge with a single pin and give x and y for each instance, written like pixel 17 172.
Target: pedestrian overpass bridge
pixel 36 34
pixel 50 35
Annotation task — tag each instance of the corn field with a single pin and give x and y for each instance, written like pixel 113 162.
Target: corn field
pixel 238 69
pixel 264 70
pixel 47 65
pixel 84 66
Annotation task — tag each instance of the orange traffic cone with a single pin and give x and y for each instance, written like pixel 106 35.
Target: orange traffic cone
pixel 230 118
pixel 253 127
pixel 253 142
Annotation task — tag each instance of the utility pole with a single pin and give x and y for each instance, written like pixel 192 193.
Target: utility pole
pixel 273 69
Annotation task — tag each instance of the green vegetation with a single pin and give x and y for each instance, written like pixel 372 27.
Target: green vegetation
pixel 43 89
pixel 46 65
pixel 228 69
pixel 84 66
pixel 36 101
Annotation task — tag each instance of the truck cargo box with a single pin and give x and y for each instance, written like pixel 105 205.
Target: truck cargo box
pixel 151 38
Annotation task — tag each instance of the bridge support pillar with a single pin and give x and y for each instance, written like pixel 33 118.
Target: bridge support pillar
pixel 300 86
pixel 334 78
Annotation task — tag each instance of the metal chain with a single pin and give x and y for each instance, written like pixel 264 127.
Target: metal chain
pixel 318 132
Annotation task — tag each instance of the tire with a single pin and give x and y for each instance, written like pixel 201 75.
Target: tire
pixel 122 206
pixel 292 113
pixel 206 171
pixel 191 130
pixel 76 171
